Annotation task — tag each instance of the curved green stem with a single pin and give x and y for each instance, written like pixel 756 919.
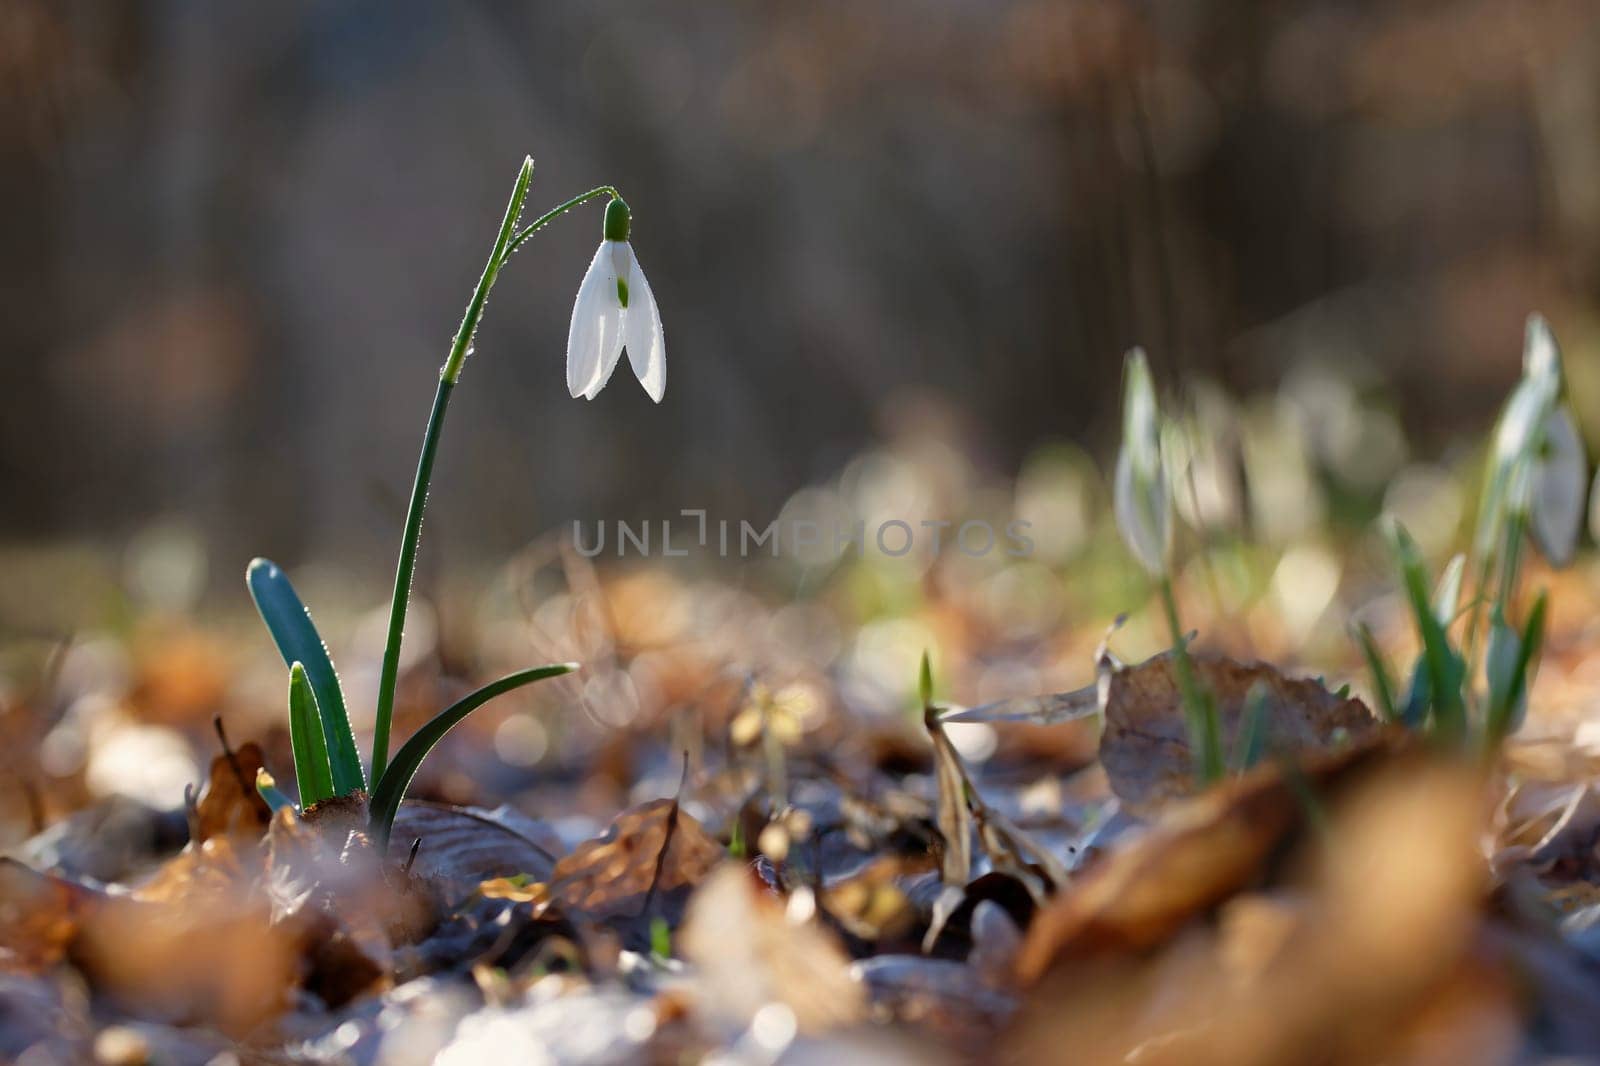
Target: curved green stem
pixel 451 371
pixel 506 242
pixel 554 213
pixel 1205 737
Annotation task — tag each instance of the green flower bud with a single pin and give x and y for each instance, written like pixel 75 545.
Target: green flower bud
pixel 617 220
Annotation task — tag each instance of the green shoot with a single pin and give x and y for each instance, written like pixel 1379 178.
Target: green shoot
pixel 268 789
pixel 311 770
pixel 299 642
pixel 1445 670
pixel 1382 685
pixel 1199 707
pixel 1508 697
pixel 660 938
pixel 1251 741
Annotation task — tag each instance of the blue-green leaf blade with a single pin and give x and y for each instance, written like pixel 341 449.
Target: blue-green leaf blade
pixel 311 770
pixel 1508 699
pixel 298 641
pixel 391 788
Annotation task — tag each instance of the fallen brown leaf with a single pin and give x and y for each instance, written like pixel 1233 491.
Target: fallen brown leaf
pixel 463 846
pixel 645 866
pixel 1200 852
pixel 1371 958
pixel 230 804
pixel 39 917
pixel 1145 745
pixel 752 950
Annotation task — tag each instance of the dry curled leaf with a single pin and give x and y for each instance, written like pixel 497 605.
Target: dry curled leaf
pixel 39 916
pixel 212 870
pixel 205 957
pixel 208 961
pixel 1375 957
pixel 463 846
pixel 752 950
pixel 1145 745
pixel 1201 851
pixel 230 803
pixel 644 866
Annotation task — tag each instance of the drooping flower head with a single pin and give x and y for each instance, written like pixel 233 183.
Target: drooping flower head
pixel 1143 505
pixel 1538 468
pixel 615 310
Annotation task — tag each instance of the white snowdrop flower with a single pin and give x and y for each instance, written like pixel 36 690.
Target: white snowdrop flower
pixel 1560 480
pixel 1143 505
pixel 1541 357
pixel 1520 435
pixel 615 310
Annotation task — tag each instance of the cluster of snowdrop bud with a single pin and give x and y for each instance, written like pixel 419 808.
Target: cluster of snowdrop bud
pixel 1538 474
pixel 1143 504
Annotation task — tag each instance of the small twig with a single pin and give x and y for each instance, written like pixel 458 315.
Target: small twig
pixel 30 790
pixel 227 750
pixel 412 858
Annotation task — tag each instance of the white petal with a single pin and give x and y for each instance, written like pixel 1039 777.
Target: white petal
pixel 1561 477
pixel 642 336
pixel 594 340
pixel 1143 511
pixel 1540 355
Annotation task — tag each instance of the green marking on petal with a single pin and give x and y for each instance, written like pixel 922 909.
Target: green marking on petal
pixel 622 292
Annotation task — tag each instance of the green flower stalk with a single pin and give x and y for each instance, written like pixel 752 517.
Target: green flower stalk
pixel 326 761
pixel 507 242
pixel 1143 507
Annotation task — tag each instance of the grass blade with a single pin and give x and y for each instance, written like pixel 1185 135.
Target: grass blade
pixel 1506 710
pixel 311 770
pixel 391 788
pixel 1251 740
pixel 298 641
pixel 1382 686
pixel 1444 667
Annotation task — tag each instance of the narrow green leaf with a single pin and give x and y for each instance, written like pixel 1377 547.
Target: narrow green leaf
pixel 660 938
pixel 1508 707
pixel 925 682
pixel 1444 666
pixel 1251 740
pixel 1419 697
pixel 298 641
pixel 391 787
pixel 312 773
pixel 1382 686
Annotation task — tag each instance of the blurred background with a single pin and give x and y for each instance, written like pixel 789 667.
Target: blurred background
pixel 239 237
